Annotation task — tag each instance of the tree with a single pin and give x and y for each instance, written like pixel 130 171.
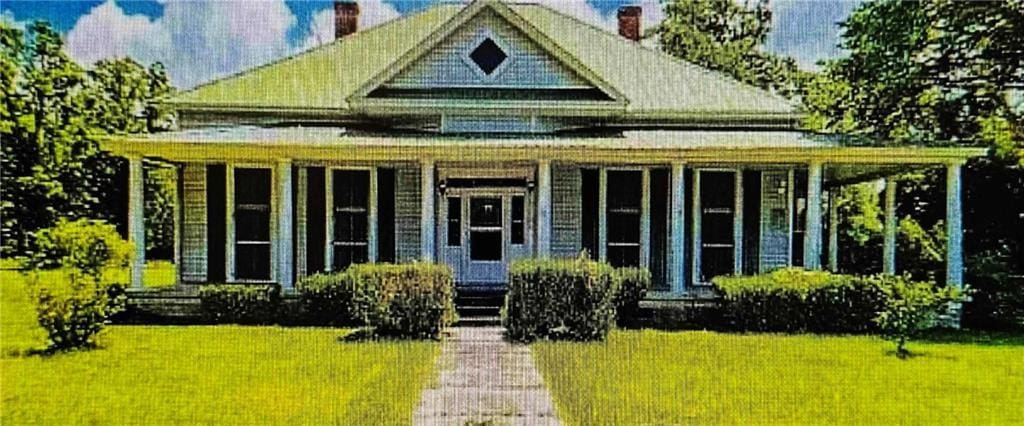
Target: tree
pixel 936 73
pixel 51 113
pixel 726 36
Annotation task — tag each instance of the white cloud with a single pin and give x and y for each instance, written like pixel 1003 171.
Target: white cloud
pixel 196 41
pixel 371 14
pixel 199 41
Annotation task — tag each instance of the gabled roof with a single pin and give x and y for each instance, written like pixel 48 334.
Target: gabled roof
pixel 333 78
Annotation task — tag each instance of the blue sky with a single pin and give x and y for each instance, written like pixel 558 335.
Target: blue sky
pixel 198 40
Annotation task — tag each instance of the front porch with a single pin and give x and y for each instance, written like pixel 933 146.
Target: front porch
pixel 275 205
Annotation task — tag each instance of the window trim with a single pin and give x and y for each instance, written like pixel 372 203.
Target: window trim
pixel 480 37
pixel 230 232
pixel 644 212
pixel 697 215
pixel 371 214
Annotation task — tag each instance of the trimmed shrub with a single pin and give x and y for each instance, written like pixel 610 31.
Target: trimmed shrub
pixel 795 300
pixel 78 284
pixel 329 299
pixel 997 302
pixel 631 287
pixel 415 300
pixel 240 303
pixel 559 299
pixel 911 307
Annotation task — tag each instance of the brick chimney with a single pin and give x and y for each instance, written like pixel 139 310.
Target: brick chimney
pixel 629 22
pixel 346 18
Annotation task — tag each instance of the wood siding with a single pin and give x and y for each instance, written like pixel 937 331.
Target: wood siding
pixel 528 64
pixel 194 231
pixel 407 212
pixel 566 192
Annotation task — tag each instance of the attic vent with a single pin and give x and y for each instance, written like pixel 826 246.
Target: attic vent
pixel 488 56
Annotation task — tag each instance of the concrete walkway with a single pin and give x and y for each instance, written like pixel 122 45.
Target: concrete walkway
pixel 485 379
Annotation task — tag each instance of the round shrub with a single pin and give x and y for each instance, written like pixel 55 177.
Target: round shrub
pixel 795 300
pixel 329 299
pixel 415 300
pixel 240 303
pixel 77 280
pixel 631 287
pixel 559 299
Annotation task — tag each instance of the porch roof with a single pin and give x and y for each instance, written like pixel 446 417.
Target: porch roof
pixel 336 144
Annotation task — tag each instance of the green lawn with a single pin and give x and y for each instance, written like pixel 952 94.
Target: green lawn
pixel 714 378
pixel 205 374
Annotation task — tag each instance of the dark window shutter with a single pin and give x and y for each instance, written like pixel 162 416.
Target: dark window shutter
pixel 216 221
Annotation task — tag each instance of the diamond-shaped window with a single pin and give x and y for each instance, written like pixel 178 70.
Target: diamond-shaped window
pixel 488 56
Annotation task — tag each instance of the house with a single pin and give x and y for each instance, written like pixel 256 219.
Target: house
pixel 476 134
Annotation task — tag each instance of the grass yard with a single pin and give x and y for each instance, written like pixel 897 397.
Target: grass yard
pixel 205 374
pixel 713 378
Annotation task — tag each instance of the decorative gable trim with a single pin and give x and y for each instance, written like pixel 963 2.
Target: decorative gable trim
pixel 482 37
pixel 359 97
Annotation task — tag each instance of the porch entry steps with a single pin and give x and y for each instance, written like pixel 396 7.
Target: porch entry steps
pixel 479 304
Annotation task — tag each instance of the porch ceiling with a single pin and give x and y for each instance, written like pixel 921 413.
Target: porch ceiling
pixel 327 144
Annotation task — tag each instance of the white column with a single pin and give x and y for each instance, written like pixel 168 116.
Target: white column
pixel 301 222
pixel 428 197
pixel 136 218
pixel 812 236
pixel 329 218
pixel 695 213
pixel 179 220
pixel 889 241
pixel 833 231
pixel 737 224
pixel 645 217
pixel 371 218
pixel 954 228
pixel 602 215
pixel 544 208
pixel 285 226
pixel 678 215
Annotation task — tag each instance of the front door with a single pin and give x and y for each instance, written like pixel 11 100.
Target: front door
pixel 482 232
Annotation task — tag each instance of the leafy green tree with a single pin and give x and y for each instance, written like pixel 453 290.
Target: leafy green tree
pixel 51 112
pixel 936 73
pixel 727 36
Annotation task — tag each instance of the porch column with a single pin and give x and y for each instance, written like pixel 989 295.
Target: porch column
pixel 954 228
pixel 428 227
pixel 285 226
pixel 645 217
pixel 678 215
pixel 812 236
pixel 544 208
pixel 833 231
pixel 889 241
pixel 602 215
pixel 136 218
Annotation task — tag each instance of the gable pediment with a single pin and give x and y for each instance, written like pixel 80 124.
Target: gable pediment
pixel 487 57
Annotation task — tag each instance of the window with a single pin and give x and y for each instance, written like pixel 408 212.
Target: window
pixel 488 56
pixel 454 221
pixel 385 215
pixel 351 217
pixel 660 196
pixel 623 216
pixel 252 223
pixel 717 206
pixel 485 229
pixel 518 219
